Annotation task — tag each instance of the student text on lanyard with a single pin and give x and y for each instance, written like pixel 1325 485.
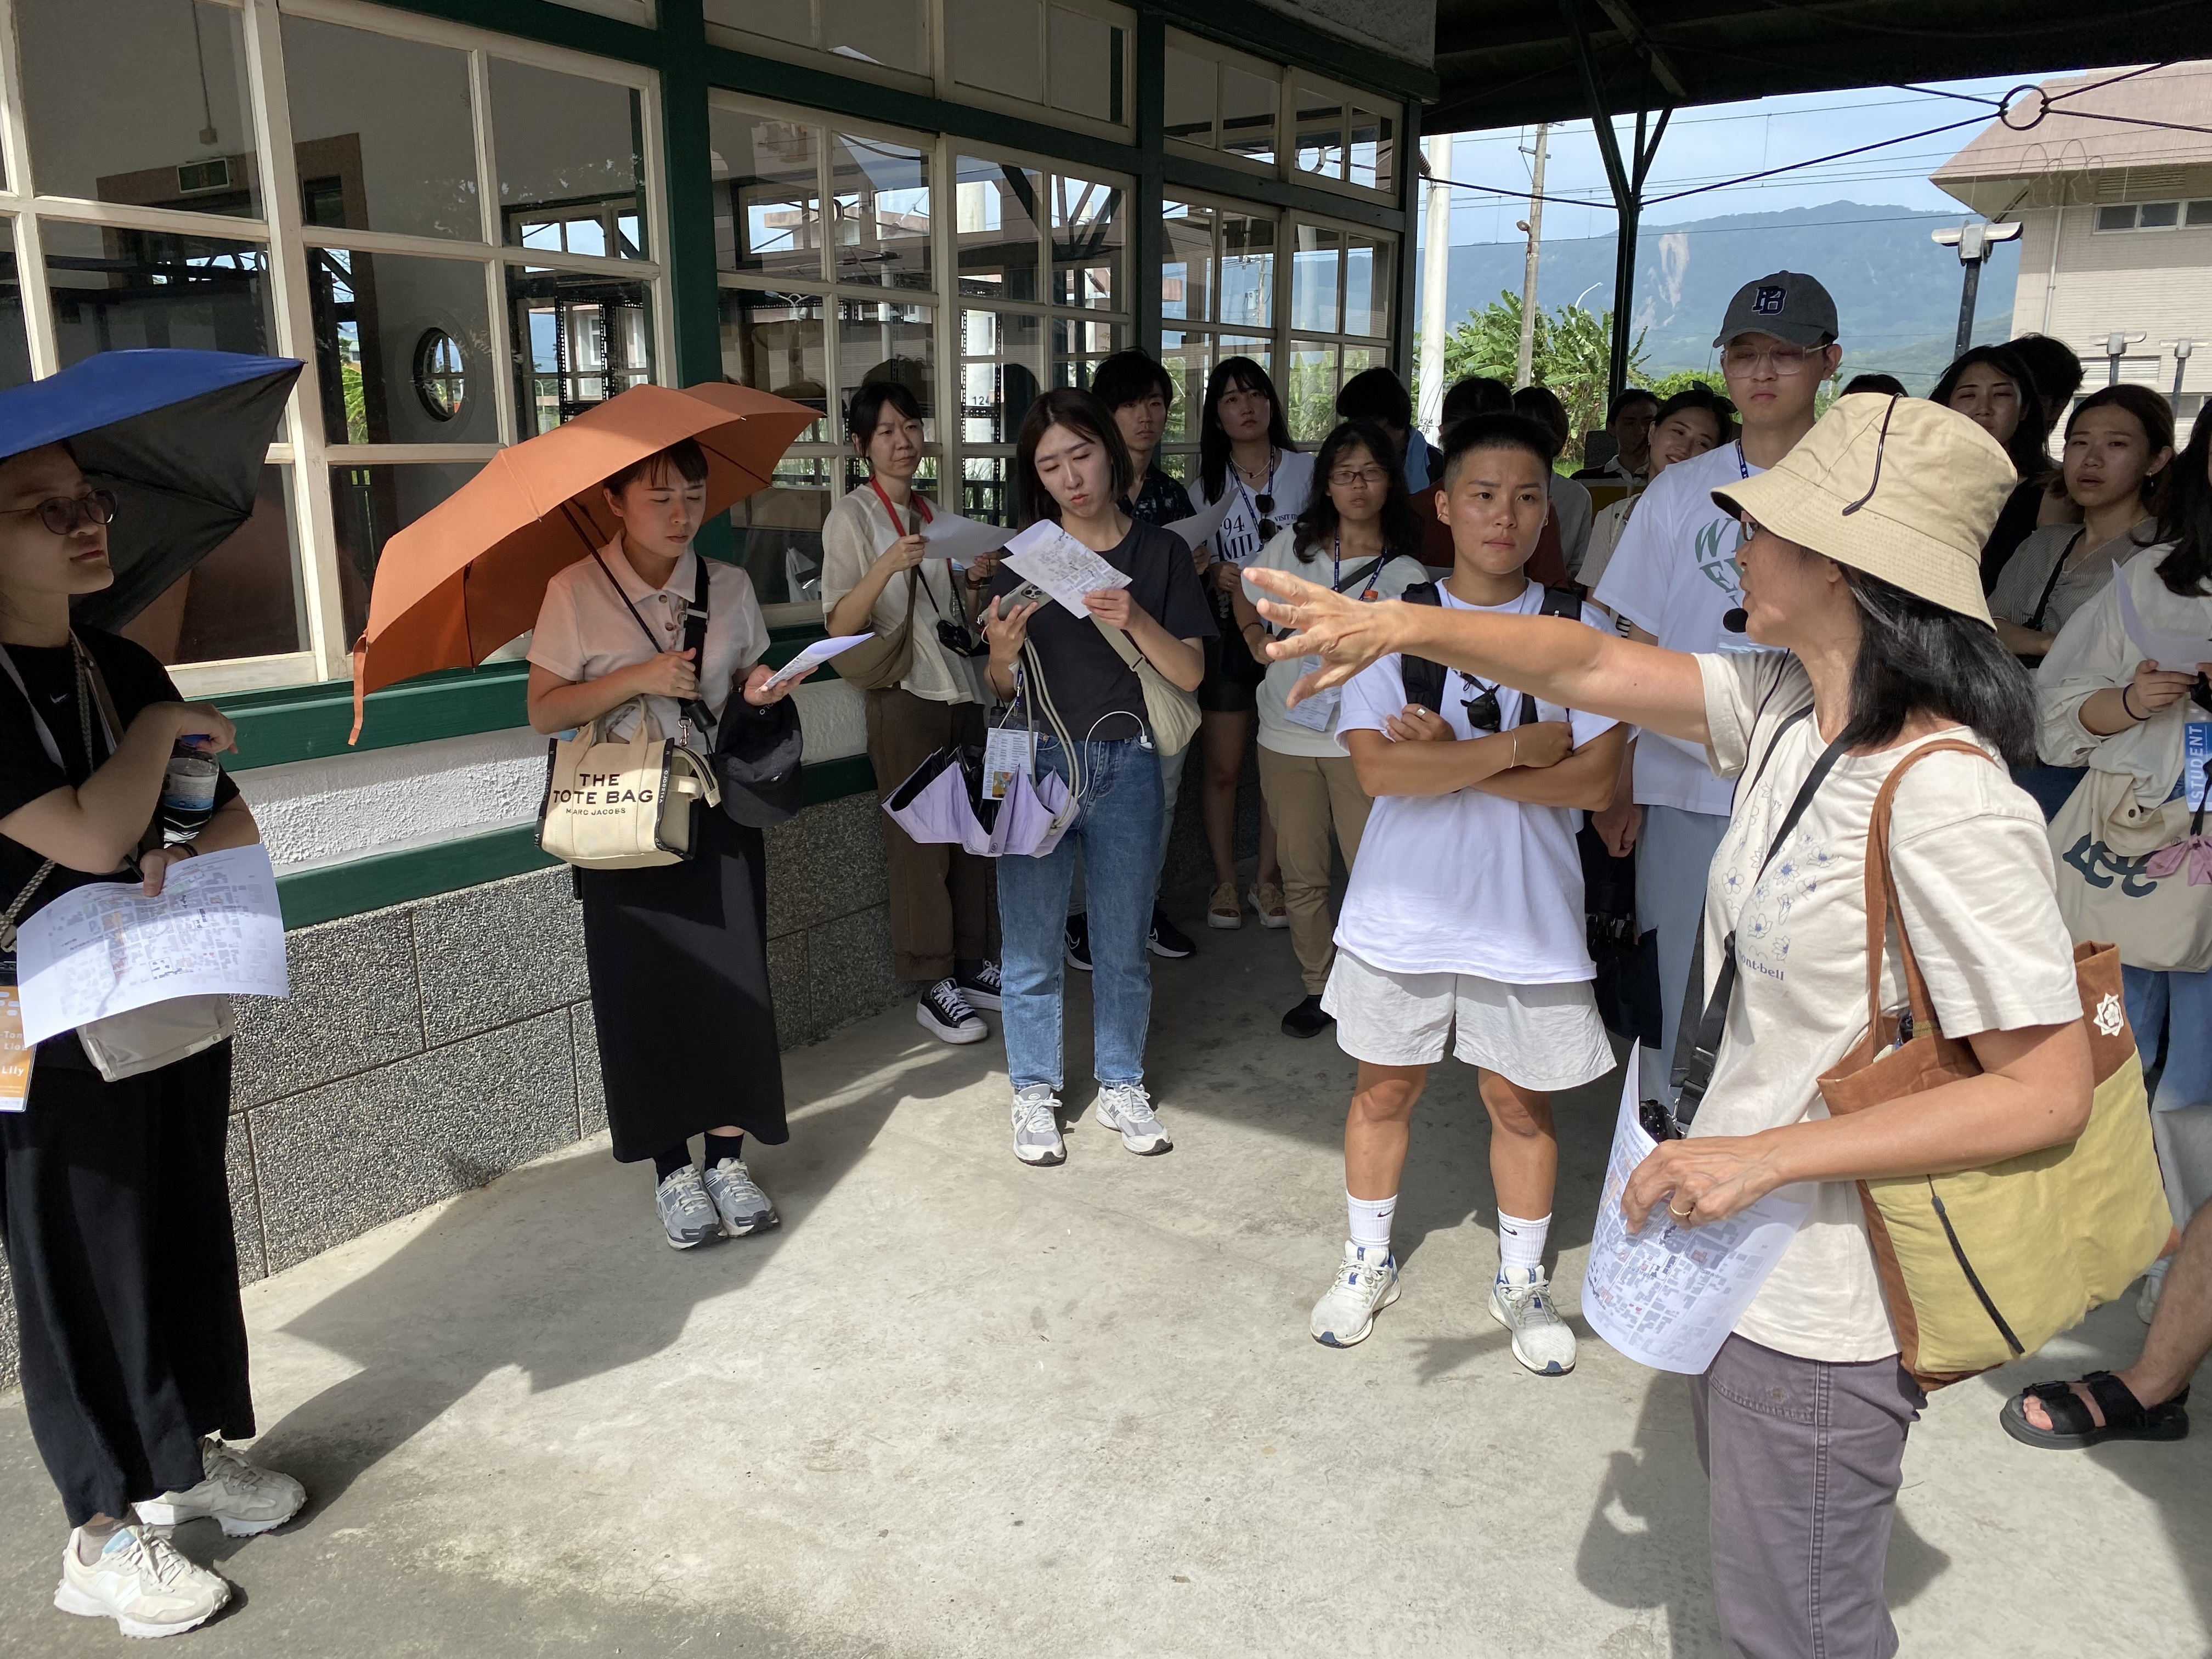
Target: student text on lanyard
pixel 898 530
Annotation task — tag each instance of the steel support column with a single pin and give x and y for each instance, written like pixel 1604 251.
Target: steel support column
pixel 1626 179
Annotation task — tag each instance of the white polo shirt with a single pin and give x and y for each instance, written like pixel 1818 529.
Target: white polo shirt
pixel 585 631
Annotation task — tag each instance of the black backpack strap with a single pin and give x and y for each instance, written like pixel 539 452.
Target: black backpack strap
pixel 695 641
pixel 1557 602
pixel 1424 680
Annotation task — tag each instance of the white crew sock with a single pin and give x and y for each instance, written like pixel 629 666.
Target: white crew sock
pixel 1370 1220
pixel 1521 1243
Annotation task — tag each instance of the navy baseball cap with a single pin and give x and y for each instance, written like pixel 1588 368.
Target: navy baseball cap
pixel 1789 305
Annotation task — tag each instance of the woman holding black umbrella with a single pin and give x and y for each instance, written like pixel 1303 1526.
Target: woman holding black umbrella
pixel 116 1204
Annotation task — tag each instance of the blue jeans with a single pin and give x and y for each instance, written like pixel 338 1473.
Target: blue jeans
pixel 2180 1005
pixel 1117 827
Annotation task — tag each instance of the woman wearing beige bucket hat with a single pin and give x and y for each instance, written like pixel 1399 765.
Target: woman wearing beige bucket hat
pixel 1861 574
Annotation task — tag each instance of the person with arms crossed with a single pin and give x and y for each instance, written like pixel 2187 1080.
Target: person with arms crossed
pixel 1463 926
pixel 1673 579
pixel 1861 578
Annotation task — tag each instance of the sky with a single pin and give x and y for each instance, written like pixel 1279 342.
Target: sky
pixel 1717 143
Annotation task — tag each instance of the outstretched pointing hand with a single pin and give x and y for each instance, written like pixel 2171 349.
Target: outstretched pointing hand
pixel 1345 633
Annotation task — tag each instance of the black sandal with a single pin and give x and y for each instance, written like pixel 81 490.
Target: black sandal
pixel 2126 1418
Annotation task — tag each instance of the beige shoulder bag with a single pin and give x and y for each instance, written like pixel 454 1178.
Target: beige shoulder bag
pixel 612 806
pixel 1171 711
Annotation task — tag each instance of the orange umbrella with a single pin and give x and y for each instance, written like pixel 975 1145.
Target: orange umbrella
pixel 470 575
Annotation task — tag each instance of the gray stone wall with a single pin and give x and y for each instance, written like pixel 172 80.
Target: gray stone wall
pixel 429 1048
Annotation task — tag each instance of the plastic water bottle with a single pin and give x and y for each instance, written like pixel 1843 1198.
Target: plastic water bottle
pixel 187 793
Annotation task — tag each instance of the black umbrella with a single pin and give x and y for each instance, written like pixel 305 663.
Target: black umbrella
pixel 179 436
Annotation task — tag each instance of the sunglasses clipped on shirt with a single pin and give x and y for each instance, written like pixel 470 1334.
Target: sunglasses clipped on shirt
pixel 62 515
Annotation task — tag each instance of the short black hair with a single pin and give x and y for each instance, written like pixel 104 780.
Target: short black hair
pixel 2053 365
pixel 1079 411
pixel 867 407
pixel 1698 395
pixel 1130 377
pixel 1627 395
pixel 1478 394
pixel 1507 431
pixel 1374 394
pixel 684 455
pixel 1887 385
pixel 1541 404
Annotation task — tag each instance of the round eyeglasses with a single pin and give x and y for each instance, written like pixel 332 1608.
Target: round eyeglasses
pixel 62 515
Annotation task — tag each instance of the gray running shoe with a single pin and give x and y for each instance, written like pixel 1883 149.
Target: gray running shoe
pixel 1127 1107
pixel 1036 1126
pixel 687 1214
pixel 245 1499
pixel 743 1206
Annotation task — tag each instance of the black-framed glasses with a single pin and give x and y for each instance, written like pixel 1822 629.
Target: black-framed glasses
pixel 64 513
pixel 1481 707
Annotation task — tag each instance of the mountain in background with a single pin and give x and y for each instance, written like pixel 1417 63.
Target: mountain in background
pixel 1896 291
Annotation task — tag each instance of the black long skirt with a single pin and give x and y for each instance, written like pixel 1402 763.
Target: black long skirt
pixel 116 1213
pixel 678 959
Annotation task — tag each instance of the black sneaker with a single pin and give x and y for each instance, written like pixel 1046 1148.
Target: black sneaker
pixel 944 1014
pixel 1075 941
pixel 1166 940
pixel 1307 1019
pixel 980 988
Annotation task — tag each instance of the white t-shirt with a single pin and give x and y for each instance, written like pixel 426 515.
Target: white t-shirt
pixel 585 632
pixel 1239 540
pixel 1467 883
pixel 855 534
pixel 1974 878
pixel 1673 574
pixel 1278 730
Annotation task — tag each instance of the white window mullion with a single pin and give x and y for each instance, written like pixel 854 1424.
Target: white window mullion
pixel 654 221
pixel 944 236
pixel 321 592
pixel 30 245
pixel 501 325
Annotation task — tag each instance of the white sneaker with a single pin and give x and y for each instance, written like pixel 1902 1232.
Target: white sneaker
pixel 1521 1300
pixel 944 1013
pixel 1126 1107
pixel 246 1500
pixel 141 1583
pixel 1036 1126
pixel 1366 1282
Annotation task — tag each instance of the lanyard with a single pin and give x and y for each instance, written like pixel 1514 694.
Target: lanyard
pixel 1742 467
pixel 1274 459
pixel 891 513
pixel 83 708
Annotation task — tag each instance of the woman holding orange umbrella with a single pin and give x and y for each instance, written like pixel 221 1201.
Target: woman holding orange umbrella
pixel 689 936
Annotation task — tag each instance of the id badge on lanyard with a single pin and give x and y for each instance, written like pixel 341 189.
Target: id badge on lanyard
pixel 2196 761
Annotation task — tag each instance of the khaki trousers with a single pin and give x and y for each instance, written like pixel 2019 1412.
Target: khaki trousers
pixel 940 893
pixel 1306 795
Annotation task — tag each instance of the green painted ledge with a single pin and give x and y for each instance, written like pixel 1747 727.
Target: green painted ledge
pixel 335 890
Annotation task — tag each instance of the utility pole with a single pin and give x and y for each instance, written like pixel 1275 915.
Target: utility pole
pixel 1524 360
pixel 1975 243
pixel 1436 274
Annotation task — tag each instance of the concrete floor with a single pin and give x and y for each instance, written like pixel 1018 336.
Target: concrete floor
pixel 960 1407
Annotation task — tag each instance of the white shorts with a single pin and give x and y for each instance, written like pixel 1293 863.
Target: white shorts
pixel 1539 1036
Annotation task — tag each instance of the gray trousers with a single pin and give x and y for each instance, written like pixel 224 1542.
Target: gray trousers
pixel 1804 1457
pixel 1674 855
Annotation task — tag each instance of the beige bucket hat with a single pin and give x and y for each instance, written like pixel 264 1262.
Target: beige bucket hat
pixel 1901 487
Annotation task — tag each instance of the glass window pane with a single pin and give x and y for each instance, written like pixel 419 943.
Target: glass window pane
pixel 382 130
pixel 140 101
pixel 2116 218
pixel 1002 370
pixel 116 289
pixel 14 350
pixel 1247 271
pixel 793 22
pixel 1367 285
pixel 879 340
pixel 402 349
pixel 887 32
pixel 986 489
pixel 2200 213
pixel 999 45
pixel 1186 261
pixel 997 231
pixel 2158 215
pixel 767 196
pixel 1320 131
pixel 1190 94
pixel 243 599
pixel 571 176
pixel 1086 243
pixel 879 192
pixel 368 506
pixel 1314 278
pixel 779 529
pixel 1188 359
pixel 1310 398
pixel 775 342
pixel 1079 345
pixel 1086 65
pixel 578 340
pixel 1247 113
pixel 1371 149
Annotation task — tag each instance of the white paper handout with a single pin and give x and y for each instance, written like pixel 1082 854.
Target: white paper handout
pixel 814 656
pixel 1200 525
pixel 2178 653
pixel 1318 712
pixel 1047 554
pixel 106 948
pixel 1669 1296
pixel 949 535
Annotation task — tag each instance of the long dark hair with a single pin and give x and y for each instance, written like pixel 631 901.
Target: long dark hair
pixel 1318 523
pixel 2152 412
pixel 1079 411
pixel 1915 655
pixel 2029 445
pixel 1243 375
pixel 2185 514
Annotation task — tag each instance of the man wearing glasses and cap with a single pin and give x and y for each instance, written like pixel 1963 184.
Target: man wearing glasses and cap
pixel 1673 582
